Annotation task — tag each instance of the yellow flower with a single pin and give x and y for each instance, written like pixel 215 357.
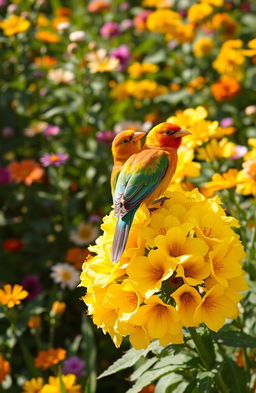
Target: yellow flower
pixel 11 296
pixel 149 272
pixel 216 3
pixel 174 254
pixel 160 320
pixel 215 306
pixel 138 89
pixel 186 167
pixel 251 153
pixel 187 299
pixel 197 13
pixel 194 270
pixel 14 25
pixel 182 33
pixel 5 368
pixel 216 149
pixel 228 179
pixel 220 258
pixel 203 47
pixel 178 245
pixel 157 3
pixel 136 70
pixel 34 385
pixel 163 21
pixel 54 385
pixel 230 59
pixel 246 181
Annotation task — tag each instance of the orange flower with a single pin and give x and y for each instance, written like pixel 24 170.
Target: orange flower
pixel 148 389
pixel 34 322
pixel 225 24
pixel 45 61
pixel 225 89
pixel 12 244
pixel 228 179
pixel 5 368
pixel 98 6
pixel 250 168
pixel 58 20
pixel 47 36
pixel 48 358
pixel 11 296
pixel 27 171
pixel 58 307
pixel 63 11
pixel 77 256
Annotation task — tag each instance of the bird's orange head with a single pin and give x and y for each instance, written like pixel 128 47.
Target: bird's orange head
pixel 166 135
pixel 126 143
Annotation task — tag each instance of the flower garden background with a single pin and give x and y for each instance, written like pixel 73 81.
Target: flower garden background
pixel 73 74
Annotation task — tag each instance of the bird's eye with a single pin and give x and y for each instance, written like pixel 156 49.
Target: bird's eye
pixel 168 132
pixel 125 140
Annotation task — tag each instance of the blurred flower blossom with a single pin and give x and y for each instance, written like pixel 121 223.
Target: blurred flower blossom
pixel 74 365
pixel 27 171
pixel 33 385
pixel 35 128
pixel 110 29
pixel 250 110
pixel 105 137
pixel 13 244
pixel 51 130
pixel 49 357
pixel 96 6
pixel 123 54
pixel 14 25
pixel 132 125
pixel 65 275
pixel 34 322
pixel 8 132
pixel 4 176
pixel 226 122
pixel 77 36
pixel 5 368
pixel 99 61
pixel 239 152
pixel 126 24
pixel 85 234
pixel 33 285
pixel 47 36
pixel 12 296
pixel 59 75
pixel 77 256
pixel 54 159
pixel 58 308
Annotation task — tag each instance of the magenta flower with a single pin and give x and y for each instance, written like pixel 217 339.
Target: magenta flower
pixel 4 176
pixel 51 130
pixel 105 137
pixel 239 152
pixel 110 29
pixel 54 159
pixel 8 132
pixel 74 365
pixel 33 285
pixel 226 122
pixel 122 53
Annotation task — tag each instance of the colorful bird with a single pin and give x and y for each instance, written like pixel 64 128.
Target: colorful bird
pixel 143 178
pixel 125 144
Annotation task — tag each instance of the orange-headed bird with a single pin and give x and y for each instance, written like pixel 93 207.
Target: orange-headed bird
pixel 125 144
pixel 143 178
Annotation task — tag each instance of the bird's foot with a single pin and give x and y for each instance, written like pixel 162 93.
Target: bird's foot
pixel 160 200
pixel 152 209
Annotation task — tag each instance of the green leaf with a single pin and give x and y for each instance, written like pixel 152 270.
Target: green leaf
pixel 233 376
pixel 150 376
pixel 168 383
pixel 205 384
pixel 29 361
pixel 89 352
pixel 235 339
pixel 62 386
pixel 144 367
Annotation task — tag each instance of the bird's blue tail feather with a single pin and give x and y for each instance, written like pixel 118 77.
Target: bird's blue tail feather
pixel 122 230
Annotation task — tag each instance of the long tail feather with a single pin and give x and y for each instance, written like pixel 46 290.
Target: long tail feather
pixel 122 230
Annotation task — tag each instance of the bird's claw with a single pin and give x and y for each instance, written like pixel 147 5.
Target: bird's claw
pixel 160 200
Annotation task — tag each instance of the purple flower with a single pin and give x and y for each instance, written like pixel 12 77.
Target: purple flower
pixel 54 159
pixel 245 6
pixel 94 218
pixel 8 132
pixel 226 122
pixel 122 53
pixel 105 137
pixel 4 176
pixel 33 285
pixel 124 6
pixel 110 29
pixel 239 152
pixel 74 365
pixel 51 130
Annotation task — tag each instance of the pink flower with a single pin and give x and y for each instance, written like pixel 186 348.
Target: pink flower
pixel 110 29
pixel 54 159
pixel 51 130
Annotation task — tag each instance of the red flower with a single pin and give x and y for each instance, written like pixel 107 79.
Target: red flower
pixel 13 244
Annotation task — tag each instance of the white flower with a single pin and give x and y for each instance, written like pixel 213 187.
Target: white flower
pixel 85 234
pixel 77 36
pixel 59 75
pixel 132 125
pixel 65 275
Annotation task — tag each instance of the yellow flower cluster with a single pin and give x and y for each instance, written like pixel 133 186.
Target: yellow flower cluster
pixel 244 180
pixel 170 23
pixel 136 70
pixel 216 149
pixel 36 385
pixel 181 267
pixel 14 25
pixel 138 89
pixel 203 47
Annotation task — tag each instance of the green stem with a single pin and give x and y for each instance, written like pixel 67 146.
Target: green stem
pixel 221 384
pixel 200 347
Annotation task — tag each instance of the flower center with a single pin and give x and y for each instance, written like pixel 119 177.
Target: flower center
pixel 66 276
